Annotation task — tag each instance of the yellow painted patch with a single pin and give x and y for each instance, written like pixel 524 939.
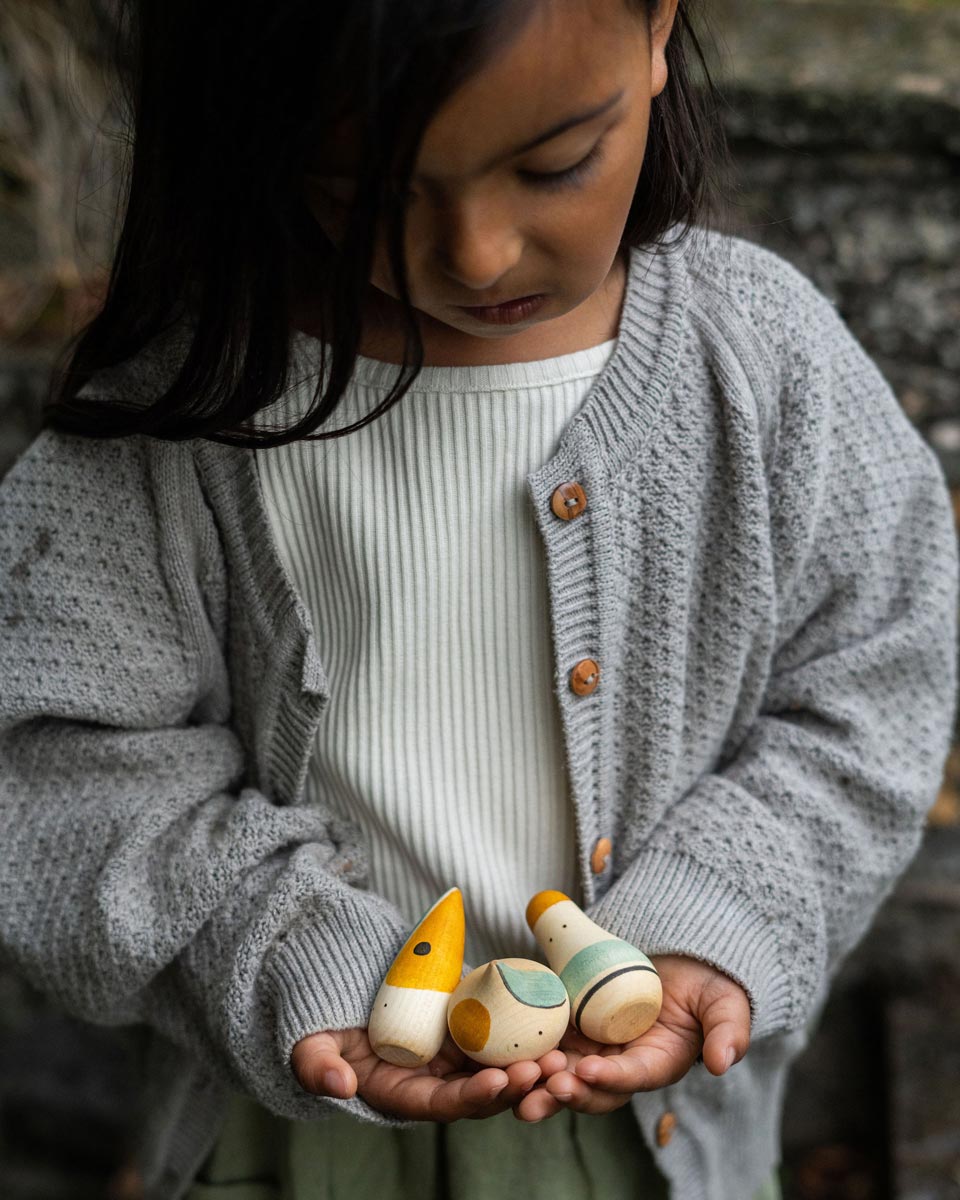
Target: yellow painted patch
pixel 442 932
pixel 470 1025
pixel 540 903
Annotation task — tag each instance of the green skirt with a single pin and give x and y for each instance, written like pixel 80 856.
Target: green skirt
pixel 567 1157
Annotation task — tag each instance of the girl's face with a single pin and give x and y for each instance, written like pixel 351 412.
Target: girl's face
pixel 490 221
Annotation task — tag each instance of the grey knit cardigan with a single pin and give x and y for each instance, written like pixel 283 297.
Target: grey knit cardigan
pixel 766 572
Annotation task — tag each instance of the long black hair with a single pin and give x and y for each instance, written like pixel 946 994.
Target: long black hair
pixel 228 103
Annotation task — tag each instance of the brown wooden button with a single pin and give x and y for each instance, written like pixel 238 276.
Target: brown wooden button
pixel 568 500
pixel 585 676
pixel 600 856
pixel 665 1128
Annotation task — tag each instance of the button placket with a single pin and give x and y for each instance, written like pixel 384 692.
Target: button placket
pixel 570 547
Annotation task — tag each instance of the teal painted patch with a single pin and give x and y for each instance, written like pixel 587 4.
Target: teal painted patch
pixel 536 989
pixel 593 960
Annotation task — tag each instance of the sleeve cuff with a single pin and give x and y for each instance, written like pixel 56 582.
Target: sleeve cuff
pixel 672 904
pixel 325 973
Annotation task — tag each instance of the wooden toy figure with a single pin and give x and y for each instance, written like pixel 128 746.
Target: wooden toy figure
pixel 507 1010
pixel 614 990
pixel 408 1021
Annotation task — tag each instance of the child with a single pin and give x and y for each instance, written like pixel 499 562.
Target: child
pixel 646 591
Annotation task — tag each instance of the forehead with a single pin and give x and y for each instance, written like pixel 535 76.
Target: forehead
pixel 567 56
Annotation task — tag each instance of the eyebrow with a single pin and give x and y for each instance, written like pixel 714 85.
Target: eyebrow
pixel 548 135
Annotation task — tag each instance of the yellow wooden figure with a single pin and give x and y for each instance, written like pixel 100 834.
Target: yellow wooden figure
pixel 508 1010
pixel 408 1021
pixel 614 989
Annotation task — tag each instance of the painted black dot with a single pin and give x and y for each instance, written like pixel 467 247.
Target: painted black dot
pixel 540 1031
pixel 516 1045
pixel 564 926
pixel 551 939
pixel 422 948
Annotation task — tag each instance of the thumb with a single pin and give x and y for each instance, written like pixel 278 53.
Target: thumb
pixel 320 1067
pixel 725 1018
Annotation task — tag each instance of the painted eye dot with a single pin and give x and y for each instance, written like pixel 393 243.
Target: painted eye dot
pixel 564 927
pixel 422 948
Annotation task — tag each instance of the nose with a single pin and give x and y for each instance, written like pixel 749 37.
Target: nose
pixel 477 246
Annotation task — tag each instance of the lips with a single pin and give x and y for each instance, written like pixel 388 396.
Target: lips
pixel 510 313
pixel 503 303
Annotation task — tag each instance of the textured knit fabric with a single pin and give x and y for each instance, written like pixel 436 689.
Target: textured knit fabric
pixel 414 547
pixel 766 572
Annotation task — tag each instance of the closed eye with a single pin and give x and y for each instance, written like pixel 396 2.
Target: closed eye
pixel 571 176
pixel 547 180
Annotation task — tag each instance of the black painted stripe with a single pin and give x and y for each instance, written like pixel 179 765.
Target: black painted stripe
pixel 606 979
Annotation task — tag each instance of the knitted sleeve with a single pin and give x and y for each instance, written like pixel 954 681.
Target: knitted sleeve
pixel 141 879
pixel 772 866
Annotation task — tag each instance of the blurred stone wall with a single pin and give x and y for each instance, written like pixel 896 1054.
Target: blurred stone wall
pixel 845 118
pixel 845 124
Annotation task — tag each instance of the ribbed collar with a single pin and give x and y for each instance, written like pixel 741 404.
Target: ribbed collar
pixel 467 380
pixel 624 403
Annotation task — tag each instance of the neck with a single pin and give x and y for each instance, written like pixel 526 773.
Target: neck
pixel 593 322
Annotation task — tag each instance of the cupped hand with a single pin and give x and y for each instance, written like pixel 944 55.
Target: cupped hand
pixel 703 1013
pixel 341 1063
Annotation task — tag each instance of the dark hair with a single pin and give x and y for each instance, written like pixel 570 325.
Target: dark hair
pixel 217 238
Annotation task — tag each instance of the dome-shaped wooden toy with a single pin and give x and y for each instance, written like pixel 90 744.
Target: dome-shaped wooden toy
pixel 408 1021
pixel 614 989
pixel 508 1010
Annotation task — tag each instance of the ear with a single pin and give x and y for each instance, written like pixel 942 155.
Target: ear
pixel 661 25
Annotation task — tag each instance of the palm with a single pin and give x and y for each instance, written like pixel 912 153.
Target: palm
pixel 698 1002
pixel 671 1045
pixel 447 1088
pixel 375 1076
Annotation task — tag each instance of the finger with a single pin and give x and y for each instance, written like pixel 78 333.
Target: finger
pixel 423 1097
pixel 574 1094
pixel 605 1071
pixel 523 1076
pixel 641 1068
pixel 321 1069
pixel 551 1062
pixel 725 1017
pixel 569 1089
pixel 537 1105
pixel 460 1098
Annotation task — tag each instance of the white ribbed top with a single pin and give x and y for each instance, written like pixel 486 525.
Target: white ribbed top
pixel 413 545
